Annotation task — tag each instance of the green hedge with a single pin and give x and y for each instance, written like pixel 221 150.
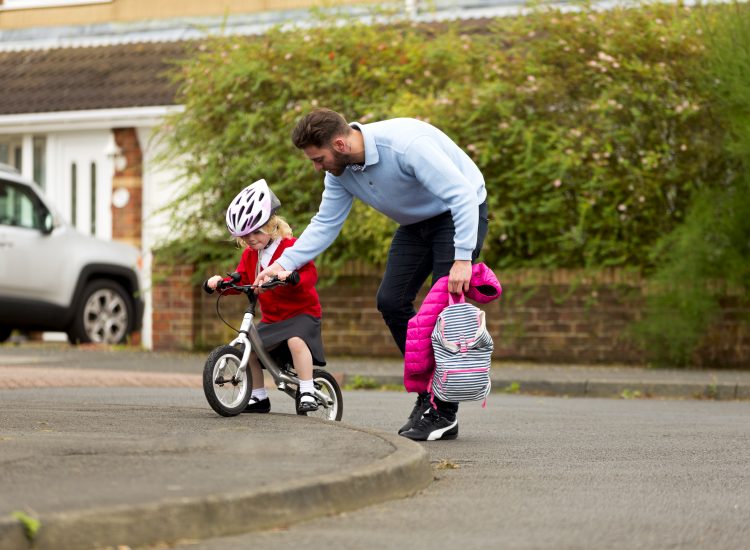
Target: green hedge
pixel 593 129
pixel 706 259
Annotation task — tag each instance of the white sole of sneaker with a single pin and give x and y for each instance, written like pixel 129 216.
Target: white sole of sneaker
pixel 440 434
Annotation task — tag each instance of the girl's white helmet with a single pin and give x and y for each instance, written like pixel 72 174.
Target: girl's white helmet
pixel 251 209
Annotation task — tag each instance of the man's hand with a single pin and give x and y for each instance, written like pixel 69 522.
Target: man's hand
pixel 267 273
pixel 459 277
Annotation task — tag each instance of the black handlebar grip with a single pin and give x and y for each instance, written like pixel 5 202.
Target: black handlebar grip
pixel 236 277
pixel 206 288
pixel 293 278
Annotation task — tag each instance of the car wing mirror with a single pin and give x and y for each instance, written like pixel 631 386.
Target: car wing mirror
pixel 48 224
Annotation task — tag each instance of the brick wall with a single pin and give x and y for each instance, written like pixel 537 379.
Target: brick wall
pixel 557 316
pixel 175 301
pixel 127 220
pixel 565 316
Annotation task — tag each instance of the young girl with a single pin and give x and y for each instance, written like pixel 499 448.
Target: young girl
pixel 290 314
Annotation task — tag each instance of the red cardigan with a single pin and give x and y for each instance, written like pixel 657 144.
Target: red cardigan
pixel 283 302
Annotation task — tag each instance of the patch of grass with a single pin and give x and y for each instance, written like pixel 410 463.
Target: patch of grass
pixel 362 383
pixel 711 392
pixel 30 524
pixel 367 383
pixel 630 394
pixel 512 388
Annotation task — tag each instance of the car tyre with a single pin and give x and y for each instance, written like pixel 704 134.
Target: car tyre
pixel 104 314
pixel 4 333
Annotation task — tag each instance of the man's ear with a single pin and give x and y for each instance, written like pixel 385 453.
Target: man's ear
pixel 339 144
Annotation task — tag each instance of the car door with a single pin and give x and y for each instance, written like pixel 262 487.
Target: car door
pixel 31 258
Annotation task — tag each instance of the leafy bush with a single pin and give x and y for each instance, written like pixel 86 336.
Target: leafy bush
pixel 591 127
pixel 708 256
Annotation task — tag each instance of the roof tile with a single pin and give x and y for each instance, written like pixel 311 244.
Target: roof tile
pixel 102 77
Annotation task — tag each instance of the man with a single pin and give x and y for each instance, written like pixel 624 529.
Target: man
pixel 415 174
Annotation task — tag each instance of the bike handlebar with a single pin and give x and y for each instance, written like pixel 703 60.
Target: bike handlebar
pixel 292 279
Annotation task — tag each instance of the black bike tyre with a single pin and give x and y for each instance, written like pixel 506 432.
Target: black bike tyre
pixel 324 378
pixel 209 387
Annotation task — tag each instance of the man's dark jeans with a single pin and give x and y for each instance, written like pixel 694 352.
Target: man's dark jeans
pixel 418 250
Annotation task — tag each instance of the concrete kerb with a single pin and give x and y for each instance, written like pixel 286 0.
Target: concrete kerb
pixel 720 391
pixel 610 389
pixel 402 473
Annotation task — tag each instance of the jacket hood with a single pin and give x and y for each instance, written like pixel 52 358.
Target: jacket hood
pixel 484 285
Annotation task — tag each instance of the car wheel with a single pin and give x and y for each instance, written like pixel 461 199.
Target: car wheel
pixel 105 314
pixel 5 333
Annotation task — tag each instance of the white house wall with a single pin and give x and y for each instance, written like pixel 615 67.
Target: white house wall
pixel 160 185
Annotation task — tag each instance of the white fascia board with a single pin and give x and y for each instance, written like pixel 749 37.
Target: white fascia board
pixel 86 120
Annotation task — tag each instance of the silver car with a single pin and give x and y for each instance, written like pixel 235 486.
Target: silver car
pixel 53 278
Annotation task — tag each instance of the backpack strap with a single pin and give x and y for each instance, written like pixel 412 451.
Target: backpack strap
pixel 453 300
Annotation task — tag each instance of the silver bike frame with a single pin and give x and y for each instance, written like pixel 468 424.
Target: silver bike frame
pixel 250 340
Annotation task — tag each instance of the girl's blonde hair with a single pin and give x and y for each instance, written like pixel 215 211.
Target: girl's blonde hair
pixel 276 227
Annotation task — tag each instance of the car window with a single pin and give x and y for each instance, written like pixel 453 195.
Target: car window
pixel 19 207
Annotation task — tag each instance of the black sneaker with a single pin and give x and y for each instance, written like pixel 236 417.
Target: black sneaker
pixel 432 427
pixel 256 405
pixel 420 407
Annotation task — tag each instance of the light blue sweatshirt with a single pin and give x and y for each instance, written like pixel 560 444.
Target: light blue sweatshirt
pixel 412 172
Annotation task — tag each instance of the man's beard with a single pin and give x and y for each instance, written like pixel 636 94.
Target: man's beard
pixel 340 162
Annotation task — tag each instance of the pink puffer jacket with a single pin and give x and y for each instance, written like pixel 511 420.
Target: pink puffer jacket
pixel 419 361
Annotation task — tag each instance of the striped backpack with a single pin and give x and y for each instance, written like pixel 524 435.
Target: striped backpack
pixel 463 353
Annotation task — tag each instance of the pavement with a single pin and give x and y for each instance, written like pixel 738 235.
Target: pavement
pixel 59 365
pixel 71 463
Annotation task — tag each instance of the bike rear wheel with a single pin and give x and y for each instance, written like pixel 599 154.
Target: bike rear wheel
pixel 227 389
pixel 333 408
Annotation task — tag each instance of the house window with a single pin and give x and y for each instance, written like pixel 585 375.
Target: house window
pixel 12 153
pixel 40 172
pixel 93 198
pixel 11 150
pixel 73 193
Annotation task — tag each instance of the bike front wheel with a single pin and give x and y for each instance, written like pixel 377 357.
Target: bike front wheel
pixel 333 407
pixel 226 387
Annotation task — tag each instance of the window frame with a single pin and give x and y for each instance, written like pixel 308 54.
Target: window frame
pixel 15 5
pixel 39 211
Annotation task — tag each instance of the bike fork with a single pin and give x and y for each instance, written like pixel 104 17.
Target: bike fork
pixel 243 340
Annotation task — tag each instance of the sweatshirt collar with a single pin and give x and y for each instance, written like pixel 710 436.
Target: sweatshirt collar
pixel 371 148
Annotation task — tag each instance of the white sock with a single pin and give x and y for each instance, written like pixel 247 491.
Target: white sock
pixel 260 394
pixel 306 386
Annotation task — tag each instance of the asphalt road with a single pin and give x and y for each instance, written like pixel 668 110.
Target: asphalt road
pixel 553 473
pixel 525 473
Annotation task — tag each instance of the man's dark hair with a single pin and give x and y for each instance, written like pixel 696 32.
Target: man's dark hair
pixel 318 128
